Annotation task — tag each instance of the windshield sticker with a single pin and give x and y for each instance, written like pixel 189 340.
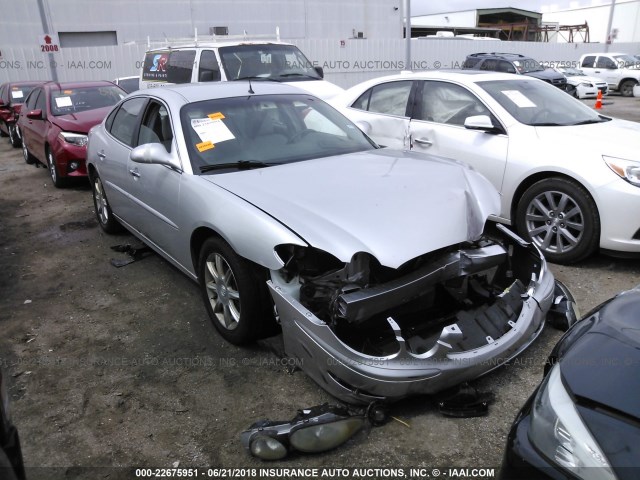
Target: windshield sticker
pixel 518 98
pixel 204 146
pixel 216 116
pixel 17 94
pixel 63 102
pixel 213 131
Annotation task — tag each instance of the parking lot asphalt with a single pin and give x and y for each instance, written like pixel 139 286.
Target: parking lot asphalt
pixel 120 367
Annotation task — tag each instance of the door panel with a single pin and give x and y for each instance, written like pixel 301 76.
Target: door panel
pixel 438 128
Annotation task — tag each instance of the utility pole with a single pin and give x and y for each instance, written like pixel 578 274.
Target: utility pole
pixel 609 38
pixel 407 34
pixel 47 30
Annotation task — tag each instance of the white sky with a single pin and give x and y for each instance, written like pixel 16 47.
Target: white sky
pixel 424 7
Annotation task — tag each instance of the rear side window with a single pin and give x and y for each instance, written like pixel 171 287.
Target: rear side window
pixel 181 66
pixel 489 64
pixel 471 62
pixel 589 61
pixel 209 70
pixel 388 98
pixel 504 66
pixel 155 66
pixel 125 122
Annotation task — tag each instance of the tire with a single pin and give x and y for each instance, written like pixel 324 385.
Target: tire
pixel 28 158
pixel 15 140
pixel 561 218
pixel 573 91
pixel 104 215
pixel 57 180
pixel 234 293
pixel 2 134
pixel 626 88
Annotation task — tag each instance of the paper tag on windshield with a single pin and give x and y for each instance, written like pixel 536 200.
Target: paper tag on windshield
pixel 63 102
pixel 518 98
pixel 17 94
pixel 213 131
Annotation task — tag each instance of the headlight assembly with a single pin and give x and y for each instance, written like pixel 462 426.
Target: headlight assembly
pixel 629 170
pixel 559 433
pixel 76 139
pixel 313 430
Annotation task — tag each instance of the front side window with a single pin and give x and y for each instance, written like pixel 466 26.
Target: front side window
pixel 181 66
pixel 208 71
pixel 448 103
pixel 390 98
pixel 156 126
pixel 31 99
pixel 233 133
pixel 125 122
pixel 73 100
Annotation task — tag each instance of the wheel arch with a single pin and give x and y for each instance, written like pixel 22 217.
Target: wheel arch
pixel 625 79
pixel 198 237
pixel 536 177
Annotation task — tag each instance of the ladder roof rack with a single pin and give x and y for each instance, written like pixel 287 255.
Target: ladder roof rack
pixel 210 39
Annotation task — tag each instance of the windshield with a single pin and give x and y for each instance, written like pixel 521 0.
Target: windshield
pixel 528 65
pixel 270 62
pixel 20 92
pixel 74 100
pixel 626 61
pixel 539 104
pixel 264 130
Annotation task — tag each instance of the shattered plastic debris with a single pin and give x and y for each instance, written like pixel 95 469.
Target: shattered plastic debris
pixel 135 253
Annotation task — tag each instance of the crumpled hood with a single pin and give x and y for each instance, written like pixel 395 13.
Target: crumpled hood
pixel 546 74
pixel 394 205
pixel 81 122
pixel 616 138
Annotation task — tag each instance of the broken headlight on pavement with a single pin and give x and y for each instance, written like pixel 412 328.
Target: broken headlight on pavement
pixel 312 430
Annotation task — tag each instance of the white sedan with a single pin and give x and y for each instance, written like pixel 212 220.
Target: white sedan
pixel 580 85
pixel 569 178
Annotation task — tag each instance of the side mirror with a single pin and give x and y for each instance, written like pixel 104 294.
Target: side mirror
pixel 480 122
pixel 364 126
pixel 153 153
pixel 35 114
pixel 319 71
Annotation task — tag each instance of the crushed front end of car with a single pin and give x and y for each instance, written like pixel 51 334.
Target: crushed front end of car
pixel 365 332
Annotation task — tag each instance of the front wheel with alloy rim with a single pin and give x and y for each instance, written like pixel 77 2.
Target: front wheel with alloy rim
pixel 105 217
pixel 28 158
pixel 14 138
pixel 234 293
pixel 561 218
pixel 57 180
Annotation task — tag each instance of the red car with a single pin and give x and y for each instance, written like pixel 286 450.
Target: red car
pixel 12 95
pixel 55 120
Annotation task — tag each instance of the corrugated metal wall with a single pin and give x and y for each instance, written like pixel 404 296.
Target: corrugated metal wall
pixel 356 61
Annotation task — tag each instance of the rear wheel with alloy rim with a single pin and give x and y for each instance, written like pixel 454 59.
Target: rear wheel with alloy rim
pixel 234 293
pixel 561 218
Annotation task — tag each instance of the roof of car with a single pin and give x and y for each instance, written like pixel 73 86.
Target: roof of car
pixel 188 93
pixel 452 74
pixel 498 55
pixel 214 45
pixel 64 85
pixel 29 82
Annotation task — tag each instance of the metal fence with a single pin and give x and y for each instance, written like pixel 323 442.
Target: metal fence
pixel 345 62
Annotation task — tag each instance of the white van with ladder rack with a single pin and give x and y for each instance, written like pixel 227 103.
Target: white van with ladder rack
pixel 232 57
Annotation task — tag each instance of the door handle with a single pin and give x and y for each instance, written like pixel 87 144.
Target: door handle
pixel 135 172
pixel 101 155
pixel 423 141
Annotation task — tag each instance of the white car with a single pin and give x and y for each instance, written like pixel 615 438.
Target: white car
pixel 582 86
pixel 569 178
